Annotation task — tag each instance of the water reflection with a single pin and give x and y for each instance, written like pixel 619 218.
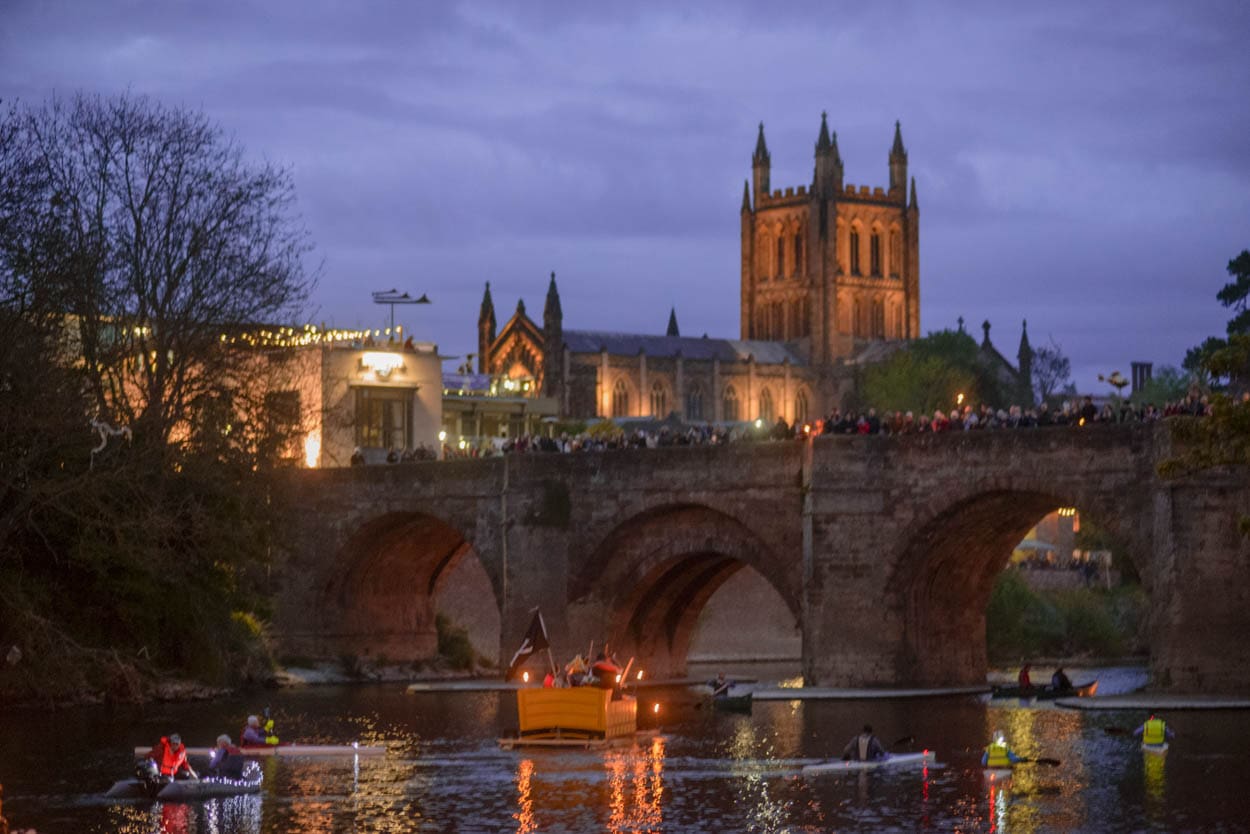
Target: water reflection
pixel 525 799
pixel 640 772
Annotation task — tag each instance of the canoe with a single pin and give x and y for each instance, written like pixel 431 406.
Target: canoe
pixel 1044 693
pixel 289 750
pixel 996 774
pixel 892 760
pixel 184 790
pixel 732 703
pixel 1154 749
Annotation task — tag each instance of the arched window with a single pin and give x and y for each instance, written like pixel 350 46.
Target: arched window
pixel 761 323
pixel 798 254
pixel 763 247
pixel 853 248
pixel 874 254
pixel 796 321
pixel 729 404
pixel 806 318
pixel 800 406
pixel 857 319
pixel 659 400
pixel 878 319
pixel 898 321
pixel 781 257
pixel 896 254
pixel 767 413
pixel 694 403
pixel 620 399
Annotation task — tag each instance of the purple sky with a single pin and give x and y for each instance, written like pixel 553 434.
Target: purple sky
pixel 1081 165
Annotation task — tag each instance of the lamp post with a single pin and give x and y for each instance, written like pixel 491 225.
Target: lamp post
pixel 392 297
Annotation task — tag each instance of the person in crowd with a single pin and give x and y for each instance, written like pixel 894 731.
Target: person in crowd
pixel 1154 731
pixel 1023 678
pixel 1059 681
pixel 997 753
pixel 227 760
pixel 864 747
pixel 358 457
pixel 606 669
pixel 721 685
pixel 170 755
pixel 1089 411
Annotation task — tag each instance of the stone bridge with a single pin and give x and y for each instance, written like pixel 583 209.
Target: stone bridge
pixel 884 548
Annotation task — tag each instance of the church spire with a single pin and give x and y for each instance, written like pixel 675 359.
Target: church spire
pixel 672 323
pixel 761 149
pixel 760 165
pixel 822 141
pixel 898 164
pixel 552 308
pixel 1026 350
pixel 912 203
pixel 485 330
pixel 898 149
pixel 746 196
pixel 828 178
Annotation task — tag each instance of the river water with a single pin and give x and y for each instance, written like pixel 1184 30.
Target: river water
pixel 702 772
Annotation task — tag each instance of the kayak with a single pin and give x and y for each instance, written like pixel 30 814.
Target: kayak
pixel 1044 693
pixel 892 760
pixel 187 790
pixel 1154 749
pixel 732 703
pixel 996 774
pixel 288 750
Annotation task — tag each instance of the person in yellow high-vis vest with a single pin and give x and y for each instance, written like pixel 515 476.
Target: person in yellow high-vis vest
pixel 998 754
pixel 1154 731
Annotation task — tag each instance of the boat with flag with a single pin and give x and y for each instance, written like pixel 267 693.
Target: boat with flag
pixel 592 714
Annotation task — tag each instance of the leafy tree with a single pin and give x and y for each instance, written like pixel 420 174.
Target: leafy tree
pixel 1167 384
pixel 1051 371
pixel 929 374
pixel 134 241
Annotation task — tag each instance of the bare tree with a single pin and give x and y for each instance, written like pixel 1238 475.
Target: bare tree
pixel 1051 371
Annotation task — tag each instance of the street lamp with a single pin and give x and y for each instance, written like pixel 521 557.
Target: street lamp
pixel 392 297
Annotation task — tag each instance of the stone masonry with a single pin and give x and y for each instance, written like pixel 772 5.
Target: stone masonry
pixel 884 548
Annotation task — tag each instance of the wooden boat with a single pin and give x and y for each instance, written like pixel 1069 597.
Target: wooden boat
pixel 892 760
pixel 289 750
pixel 1044 693
pixel 578 716
pixel 732 703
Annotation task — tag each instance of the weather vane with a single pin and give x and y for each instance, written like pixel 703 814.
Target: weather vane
pixel 392 297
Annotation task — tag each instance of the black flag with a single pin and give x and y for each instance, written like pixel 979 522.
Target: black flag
pixel 535 641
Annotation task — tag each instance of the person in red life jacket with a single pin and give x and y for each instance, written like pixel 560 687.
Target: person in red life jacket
pixel 605 669
pixel 171 757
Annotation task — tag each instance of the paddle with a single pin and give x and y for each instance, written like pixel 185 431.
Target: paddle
pixel 1116 731
pixel 904 740
pixel 1041 761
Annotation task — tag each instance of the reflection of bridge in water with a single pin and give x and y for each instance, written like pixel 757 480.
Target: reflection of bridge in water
pixel 885 549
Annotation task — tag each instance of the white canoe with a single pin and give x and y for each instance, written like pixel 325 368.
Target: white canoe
pixel 289 750
pixel 1154 749
pixel 895 760
pixel 996 774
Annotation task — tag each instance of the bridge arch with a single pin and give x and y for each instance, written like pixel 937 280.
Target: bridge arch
pixel 379 600
pixel 654 572
pixel 953 555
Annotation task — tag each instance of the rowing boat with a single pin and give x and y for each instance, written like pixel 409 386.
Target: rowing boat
pixel 188 790
pixel 289 750
pixel 891 760
pixel 1044 693
pixel 732 703
pixel 1154 749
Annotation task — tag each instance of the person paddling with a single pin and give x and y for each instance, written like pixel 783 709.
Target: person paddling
pixel 1154 731
pixel 226 760
pixel 864 747
pixel 998 754
pixel 257 735
pixel 720 686
pixel 1023 678
pixel 1059 681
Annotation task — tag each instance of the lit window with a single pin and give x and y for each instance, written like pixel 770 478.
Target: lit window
pixel 620 399
pixel 766 406
pixel 854 248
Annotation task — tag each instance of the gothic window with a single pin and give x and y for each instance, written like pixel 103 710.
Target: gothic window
pixel 766 406
pixel 898 321
pixel 798 254
pixel 857 321
pixel 896 253
pixel 761 323
pixel 761 257
pixel 854 250
pixel 659 400
pixel 796 323
pixel 694 403
pixel 620 399
pixel 729 404
pixel 878 319
pixel 779 322
pixel 800 406
pixel 806 318
pixel 781 257
pixel 874 254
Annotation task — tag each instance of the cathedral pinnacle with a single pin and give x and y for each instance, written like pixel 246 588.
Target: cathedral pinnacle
pixel 912 203
pixel 746 196
pixel 552 307
pixel 672 323
pixel 1026 350
pixel 488 305
pixel 761 147
pixel 898 149
pixel 822 141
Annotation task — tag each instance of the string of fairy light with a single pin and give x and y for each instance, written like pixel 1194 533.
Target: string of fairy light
pixel 308 335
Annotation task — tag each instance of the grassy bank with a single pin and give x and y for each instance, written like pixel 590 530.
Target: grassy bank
pixel 1021 623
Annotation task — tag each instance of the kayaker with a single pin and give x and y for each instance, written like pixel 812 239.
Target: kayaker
pixel 170 756
pixel 256 734
pixel 998 754
pixel 1023 678
pixel 1059 681
pixel 864 747
pixel 226 760
pixel 720 686
pixel 1154 731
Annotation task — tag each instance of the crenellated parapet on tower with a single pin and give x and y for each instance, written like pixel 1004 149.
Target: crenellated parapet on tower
pixel 832 266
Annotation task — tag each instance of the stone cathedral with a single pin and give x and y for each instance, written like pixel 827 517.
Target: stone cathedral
pixel 830 279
